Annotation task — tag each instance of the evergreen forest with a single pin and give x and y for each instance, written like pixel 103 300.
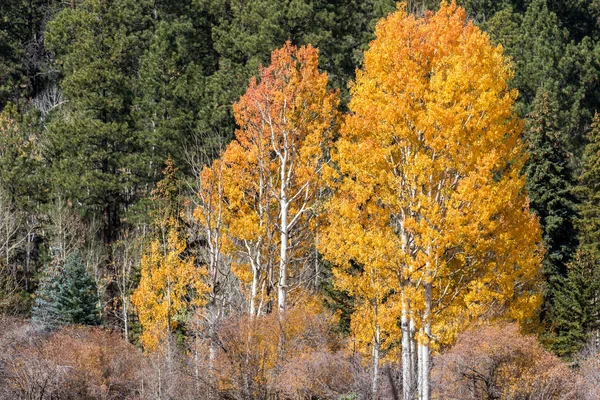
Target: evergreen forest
pixel 300 199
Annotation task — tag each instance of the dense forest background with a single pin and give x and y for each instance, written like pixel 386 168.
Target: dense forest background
pixel 110 110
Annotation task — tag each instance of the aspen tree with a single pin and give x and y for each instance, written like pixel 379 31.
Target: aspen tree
pixel 171 283
pixel 271 171
pixel 428 190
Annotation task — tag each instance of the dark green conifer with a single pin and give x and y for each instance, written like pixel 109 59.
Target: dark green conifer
pixel 97 159
pixel 588 192
pixel 538 52
pixel 576 311
pixel 23 59
pixel 549 185
pixel 578 307
pixel 46 308
pixel 67 294
pixel 170 92
pixel 78 294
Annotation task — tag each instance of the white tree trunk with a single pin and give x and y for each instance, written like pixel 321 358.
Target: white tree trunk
pixel 424 348
pixel 196 367
pixel 406 354
pixel 414 359
pixel 426 388
pixel 125 301
pixel 426 345
pixel 376 350
pixel 254 290
pixel 420 371
pixel 283 249
pixel 212 355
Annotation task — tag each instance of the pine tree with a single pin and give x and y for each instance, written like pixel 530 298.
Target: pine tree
pixel 12 75
pixel 549 187
pixel 577 311
pixel 97 159
pixel 547 53
pixel 46 308
pixel 23 59
pixel 588 191
pixel 96 156
pixel 580 17
pixel 244 33
pixel 67 295
pixel 538 52
pixel 482 10
pixel 20 161
pixel 171 88
pixel 78 295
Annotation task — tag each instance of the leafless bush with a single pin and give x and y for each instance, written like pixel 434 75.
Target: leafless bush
pixel 297 356
pixel 316 374
pixel 587 365
pixel 166 377
pixel 497 362
pixel 73 363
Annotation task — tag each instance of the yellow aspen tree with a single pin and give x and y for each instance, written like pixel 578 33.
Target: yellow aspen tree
pixel 235 214
pixel 210 214
pixel 428 179
pixel 271 171
pixel 168 280
pixel 171 283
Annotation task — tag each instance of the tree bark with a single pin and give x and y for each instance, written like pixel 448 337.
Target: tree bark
pixel 426 344
pixel 376 355
pixel 254 290
pixel 283 249
pixel 111 295
pixel 424 348
pixel 414 359
pixel 420 371
pixel 406 354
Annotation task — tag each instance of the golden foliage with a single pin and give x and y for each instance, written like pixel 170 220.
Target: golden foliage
pixel 428 190
pixel 170 283
pixel 268 178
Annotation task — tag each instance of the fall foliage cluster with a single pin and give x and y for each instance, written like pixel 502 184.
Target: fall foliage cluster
pixel 390 206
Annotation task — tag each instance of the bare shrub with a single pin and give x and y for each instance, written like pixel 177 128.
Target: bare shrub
pixel 497 362
pixel 588 370
pixel 72 363
pixel 298 356
pixel 166 376
pixel 588 386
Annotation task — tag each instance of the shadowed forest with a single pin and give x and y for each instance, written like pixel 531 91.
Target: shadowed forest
pixel 299 199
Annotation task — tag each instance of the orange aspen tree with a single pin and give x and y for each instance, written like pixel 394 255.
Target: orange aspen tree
pixel 271 172
pixel 429 163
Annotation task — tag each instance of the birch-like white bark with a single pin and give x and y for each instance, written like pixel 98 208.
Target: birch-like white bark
pixel 283 245
pixel 254 291
pixel 406 353
pixel 426 363
pixel 376 356
pixel 413 357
